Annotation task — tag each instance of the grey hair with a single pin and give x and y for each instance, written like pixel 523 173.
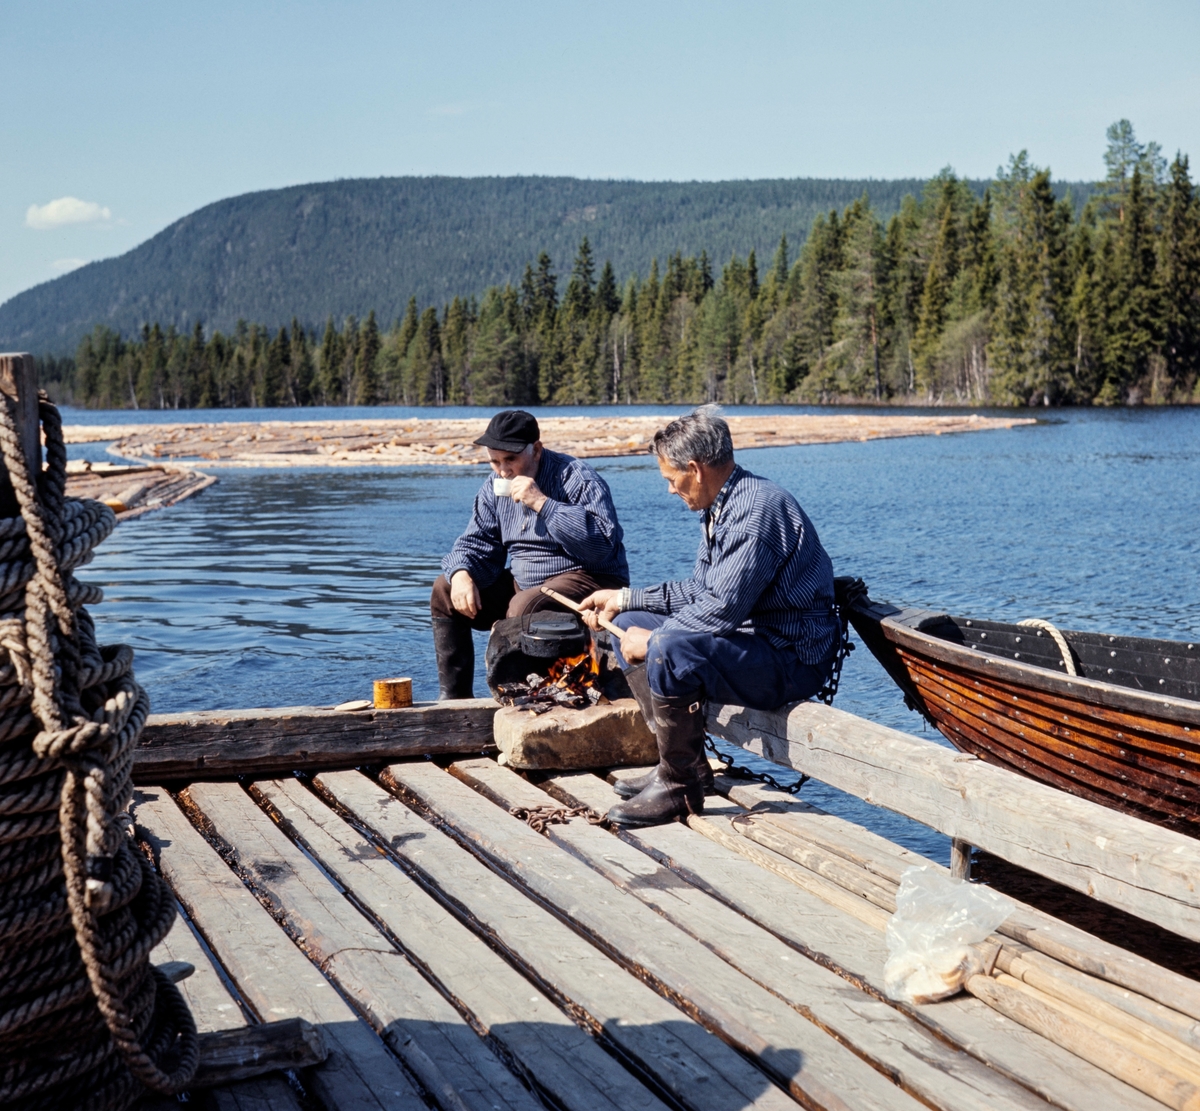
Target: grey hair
pixel 701 435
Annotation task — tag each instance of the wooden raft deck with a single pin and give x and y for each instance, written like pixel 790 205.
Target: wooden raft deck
pixel 454 956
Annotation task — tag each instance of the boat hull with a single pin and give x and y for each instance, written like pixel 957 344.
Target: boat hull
pixel 1128 749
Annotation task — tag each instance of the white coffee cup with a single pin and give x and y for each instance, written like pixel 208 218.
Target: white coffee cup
pixel 502 487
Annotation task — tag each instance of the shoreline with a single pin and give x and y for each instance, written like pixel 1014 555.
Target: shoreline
pixel 448 442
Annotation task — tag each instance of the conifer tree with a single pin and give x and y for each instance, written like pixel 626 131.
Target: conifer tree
pixel 426 368
pixel 578 299
pixel 1030 347
pixel 275 372
pixel 1178 279
pixel 456 325
pixel 329 374
pixel 859 283
pixel 607 298
pixel 365 385
pixel 1134 320
pixel 301 383
pixel 780 266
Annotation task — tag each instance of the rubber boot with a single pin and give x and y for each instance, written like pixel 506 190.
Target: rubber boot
pixel 627 788
pixel 676 788
pixel 455 658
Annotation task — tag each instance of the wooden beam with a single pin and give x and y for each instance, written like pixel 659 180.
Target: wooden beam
pixel 230 1055
pixel 18 379
pixel 220 744
pixel 1128 863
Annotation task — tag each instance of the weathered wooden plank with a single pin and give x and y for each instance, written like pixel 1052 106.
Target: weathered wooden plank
pixel 698 1069
pixel 271 974
pixel 857 952
pixel 1028 925
pixel 224 743
pixel 796 1053
pixel 557 1056
pixel 906 1052
pixel 420 1025
pixel 1121 860
pixel 214 1008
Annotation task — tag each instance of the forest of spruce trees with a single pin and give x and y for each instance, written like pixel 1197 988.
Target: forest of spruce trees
pixel 1012 298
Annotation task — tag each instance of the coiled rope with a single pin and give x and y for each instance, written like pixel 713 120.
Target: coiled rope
pixel 85 1020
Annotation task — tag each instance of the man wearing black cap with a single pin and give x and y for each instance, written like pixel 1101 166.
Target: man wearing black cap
pixel 552 515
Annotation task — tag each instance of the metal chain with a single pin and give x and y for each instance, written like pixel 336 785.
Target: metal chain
pixel 741 772
pixel 845 647
pixel 825 694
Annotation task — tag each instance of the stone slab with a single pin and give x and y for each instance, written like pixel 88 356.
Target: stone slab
pixel 561 739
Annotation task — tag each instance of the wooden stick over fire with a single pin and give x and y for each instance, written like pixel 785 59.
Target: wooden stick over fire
pixel 562 599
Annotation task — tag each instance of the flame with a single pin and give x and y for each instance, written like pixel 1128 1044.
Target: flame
pixel 567 672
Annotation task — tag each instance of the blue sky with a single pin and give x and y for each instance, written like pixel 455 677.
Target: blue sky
pixel 143 112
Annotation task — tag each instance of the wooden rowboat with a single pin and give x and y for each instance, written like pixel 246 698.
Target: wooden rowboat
pixel 1113 719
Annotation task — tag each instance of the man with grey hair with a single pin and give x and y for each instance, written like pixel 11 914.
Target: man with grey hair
pixel 754 625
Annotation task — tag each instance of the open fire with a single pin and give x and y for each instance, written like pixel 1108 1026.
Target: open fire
pixel 570 681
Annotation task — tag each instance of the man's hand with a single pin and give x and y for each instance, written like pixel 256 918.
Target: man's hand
pixel 601 603
pixel 634 644
pixel 464 594
pixel 527 492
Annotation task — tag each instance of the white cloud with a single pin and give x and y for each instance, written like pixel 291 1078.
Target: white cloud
pixel 66 265
pixel 65 210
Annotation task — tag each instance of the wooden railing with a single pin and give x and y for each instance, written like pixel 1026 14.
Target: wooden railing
pixel 1121 860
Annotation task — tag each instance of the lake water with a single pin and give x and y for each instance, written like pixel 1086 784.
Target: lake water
pixel 301 586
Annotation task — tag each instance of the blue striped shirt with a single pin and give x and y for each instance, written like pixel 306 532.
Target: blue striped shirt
pixel 760 569
pixel 576 530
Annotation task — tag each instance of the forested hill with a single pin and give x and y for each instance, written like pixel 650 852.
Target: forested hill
pixel 342 247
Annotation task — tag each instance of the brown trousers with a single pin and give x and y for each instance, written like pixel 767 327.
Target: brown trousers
pixel 503 599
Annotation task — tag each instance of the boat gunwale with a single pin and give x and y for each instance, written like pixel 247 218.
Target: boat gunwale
pixel 1159 706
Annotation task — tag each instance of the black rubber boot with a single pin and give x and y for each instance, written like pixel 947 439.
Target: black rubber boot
pixel 627 788
pixel 640 685
pixel 676 788
pixel 636 784
pixel 455 658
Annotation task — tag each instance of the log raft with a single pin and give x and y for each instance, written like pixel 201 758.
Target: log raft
pixel 131 491
pixel 425 441
pixel 453 955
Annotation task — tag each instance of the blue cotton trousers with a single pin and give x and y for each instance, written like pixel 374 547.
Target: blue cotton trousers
pixel 740 669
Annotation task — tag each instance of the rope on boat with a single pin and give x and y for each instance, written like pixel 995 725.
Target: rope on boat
pixel 85 1021
pixel 1059 639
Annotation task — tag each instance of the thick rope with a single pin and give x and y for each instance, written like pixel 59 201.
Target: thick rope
pixel 1059 639
pixel 85 1021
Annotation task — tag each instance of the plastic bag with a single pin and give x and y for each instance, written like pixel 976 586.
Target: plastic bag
pixel 930 937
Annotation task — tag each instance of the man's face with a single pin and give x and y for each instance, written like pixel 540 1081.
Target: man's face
pixel 686 484
pixel 512 464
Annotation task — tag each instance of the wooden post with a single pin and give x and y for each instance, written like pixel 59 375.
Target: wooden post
pixel 18 379
pixel 960 859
